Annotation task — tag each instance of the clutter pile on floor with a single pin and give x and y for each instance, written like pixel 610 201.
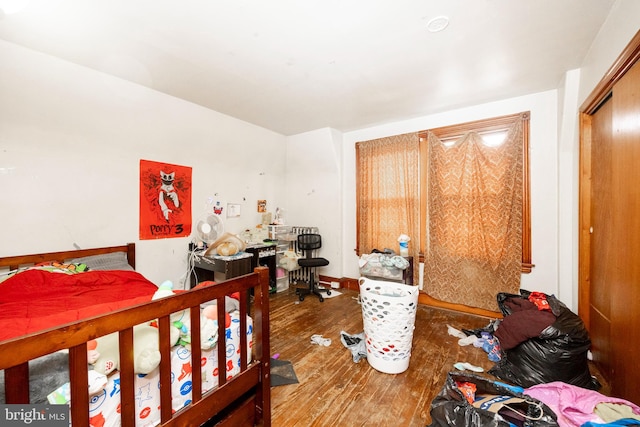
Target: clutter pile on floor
pixel 540 350
pixel 540 354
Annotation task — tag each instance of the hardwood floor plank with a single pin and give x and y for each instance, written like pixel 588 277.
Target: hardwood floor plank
pixel 335 391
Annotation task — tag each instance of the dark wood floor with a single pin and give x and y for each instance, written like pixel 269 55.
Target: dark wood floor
pixel 335 391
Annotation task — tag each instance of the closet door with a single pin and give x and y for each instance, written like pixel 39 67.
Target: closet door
pixel 603 248
pixel 625 218
pixel 609 231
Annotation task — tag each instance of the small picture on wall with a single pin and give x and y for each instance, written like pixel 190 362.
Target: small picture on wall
pixel 233 210
pixel 262 205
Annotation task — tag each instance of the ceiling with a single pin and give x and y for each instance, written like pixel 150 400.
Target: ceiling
pixel 293 66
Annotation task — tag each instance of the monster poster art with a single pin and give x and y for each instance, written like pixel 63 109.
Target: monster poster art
pixel 165 200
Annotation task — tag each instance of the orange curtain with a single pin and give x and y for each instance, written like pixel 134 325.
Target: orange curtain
pixel 474 239
pixel 388 199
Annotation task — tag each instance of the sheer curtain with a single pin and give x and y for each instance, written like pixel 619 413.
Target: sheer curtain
pixel 388 199
pixel 474 239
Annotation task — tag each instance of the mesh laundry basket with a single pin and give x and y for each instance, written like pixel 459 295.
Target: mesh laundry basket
pixel 388 314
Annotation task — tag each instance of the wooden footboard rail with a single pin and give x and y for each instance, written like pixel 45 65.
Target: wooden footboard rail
pixel 227 403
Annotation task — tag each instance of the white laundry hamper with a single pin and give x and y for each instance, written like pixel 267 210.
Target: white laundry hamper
pixel 388 314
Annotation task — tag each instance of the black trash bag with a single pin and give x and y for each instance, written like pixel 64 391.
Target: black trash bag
pixel 451 408
pixel 559 353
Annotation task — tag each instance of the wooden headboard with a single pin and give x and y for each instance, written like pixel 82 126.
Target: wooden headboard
pixel 15 262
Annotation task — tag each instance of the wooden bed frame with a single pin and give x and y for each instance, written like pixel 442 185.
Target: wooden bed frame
pixel 244 399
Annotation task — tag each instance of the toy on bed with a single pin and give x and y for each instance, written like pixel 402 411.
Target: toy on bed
pixel 181 321
pixel 103 352
pixel 208 319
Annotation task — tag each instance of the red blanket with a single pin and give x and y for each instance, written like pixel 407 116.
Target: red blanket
pixel 36 299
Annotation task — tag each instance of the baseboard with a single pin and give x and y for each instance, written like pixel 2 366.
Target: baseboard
pixel 428 300
pixel 342 283
pixel 423 298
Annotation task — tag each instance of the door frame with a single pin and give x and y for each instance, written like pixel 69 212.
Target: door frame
pixel 600 93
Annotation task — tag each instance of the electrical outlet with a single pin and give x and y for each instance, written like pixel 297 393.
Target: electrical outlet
pixel 335 285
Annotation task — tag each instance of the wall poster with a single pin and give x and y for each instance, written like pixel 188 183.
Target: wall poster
pixel 165 200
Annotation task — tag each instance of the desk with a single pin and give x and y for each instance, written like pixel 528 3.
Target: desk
pixel 264 255
pixel 230 266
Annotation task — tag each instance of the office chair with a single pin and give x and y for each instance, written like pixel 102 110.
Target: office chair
pixel 308 244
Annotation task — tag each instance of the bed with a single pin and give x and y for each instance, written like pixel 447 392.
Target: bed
pixel 241 397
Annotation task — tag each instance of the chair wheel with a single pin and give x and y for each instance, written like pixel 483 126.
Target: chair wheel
pixel 321 299
pixel 328 292
pixel 301 297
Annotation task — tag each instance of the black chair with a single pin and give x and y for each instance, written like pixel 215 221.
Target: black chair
pixel 309 243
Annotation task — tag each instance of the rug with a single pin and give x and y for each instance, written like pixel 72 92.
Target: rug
pixel 282 373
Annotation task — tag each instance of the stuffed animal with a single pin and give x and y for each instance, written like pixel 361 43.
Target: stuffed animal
pixel 208 323
pixel 104 351
pixel 180 319
pixel 208 320
pixel 182 322
pixel 208 330
pixel 209 309
pixel 226 245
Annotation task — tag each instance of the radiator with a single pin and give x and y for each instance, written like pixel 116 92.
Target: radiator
pixel 301 274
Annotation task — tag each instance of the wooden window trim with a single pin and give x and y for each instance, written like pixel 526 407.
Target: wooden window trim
pixel 485 126
pixel 357 248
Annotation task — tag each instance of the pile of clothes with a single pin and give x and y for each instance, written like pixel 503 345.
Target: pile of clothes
pixel 540 350
pixel 541 341
pixel 476 401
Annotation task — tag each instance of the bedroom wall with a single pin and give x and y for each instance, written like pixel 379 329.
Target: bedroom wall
pixel 70 144
pixel 568 162
pixel 544 181
pixel 314 177
pixel 618 29
pixel 71 140
pixel 554 160
pixel 544 172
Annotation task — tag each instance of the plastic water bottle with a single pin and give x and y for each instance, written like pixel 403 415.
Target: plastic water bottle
pixel 403 240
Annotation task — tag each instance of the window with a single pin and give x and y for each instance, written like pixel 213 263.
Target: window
pixel 388 192
pixel 393 188
pixel 492 131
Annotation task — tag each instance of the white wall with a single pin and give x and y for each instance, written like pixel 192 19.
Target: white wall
pixel 314 176
pixel 70 144
pixel 615 34
pixel 544 171
pixel 71 140
pixel 317 148
pixel 568 187
pixel 554 160
pixel 618 29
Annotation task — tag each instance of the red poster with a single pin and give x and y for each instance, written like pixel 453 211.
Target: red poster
pixel 165 200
